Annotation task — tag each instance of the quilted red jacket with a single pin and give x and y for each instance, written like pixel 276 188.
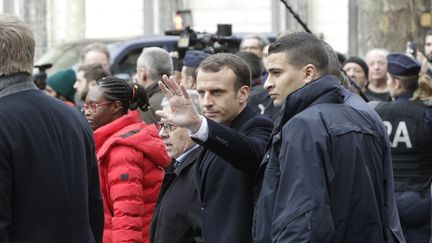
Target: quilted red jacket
pixel 131 157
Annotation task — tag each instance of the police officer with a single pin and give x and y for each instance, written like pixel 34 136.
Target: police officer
pixel 409 126
pixel 191 61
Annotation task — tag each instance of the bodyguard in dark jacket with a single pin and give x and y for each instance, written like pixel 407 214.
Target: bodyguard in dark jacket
pixel 49 182
pixel 233 135
pixel 323 175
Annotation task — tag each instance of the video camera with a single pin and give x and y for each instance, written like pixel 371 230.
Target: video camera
pixel 222 41
pixel 40 77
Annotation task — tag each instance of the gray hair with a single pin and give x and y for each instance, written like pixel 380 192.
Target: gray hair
pixel 95 46
pixel 377 51
pixel 17 46
pixel 157 62
pixel 263 41
pixel 193 94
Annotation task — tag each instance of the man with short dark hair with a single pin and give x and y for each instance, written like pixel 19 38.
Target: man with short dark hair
pixel 233 136
pixel 321 179
pixel 87 75
pixel 409 126
pixel 49 180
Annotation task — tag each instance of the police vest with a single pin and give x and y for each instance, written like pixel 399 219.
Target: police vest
pixel 410 141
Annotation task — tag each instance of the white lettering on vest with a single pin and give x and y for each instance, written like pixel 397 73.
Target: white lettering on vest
pixel 388 126
pixel 401 134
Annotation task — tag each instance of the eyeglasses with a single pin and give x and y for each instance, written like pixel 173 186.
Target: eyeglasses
pixel 93 107
pixel 168 127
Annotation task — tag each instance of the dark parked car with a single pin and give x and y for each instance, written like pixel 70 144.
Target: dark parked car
pixel 124 52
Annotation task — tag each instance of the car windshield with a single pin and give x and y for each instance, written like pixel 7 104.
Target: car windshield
pixel 67 55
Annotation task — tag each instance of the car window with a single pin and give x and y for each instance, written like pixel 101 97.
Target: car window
pixel 125 61
pixel 128 63
pixel 62 57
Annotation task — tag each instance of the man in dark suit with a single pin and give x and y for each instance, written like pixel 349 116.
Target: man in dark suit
pixel 233 135
pixel 49 181
pixel 176 217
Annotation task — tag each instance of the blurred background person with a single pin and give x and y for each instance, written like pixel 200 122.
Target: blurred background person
pixel 177 75
pixel 357 70
pixel 259 97
pixel 177 214
pixel 409 126
pixel 254 44
pixel 151 65
pixel 376 89
pixel 424 90
pixel 61 86
pixel 191 62
pixel 87 74
pixel 49 182
pixel 131 157
pixel 255 64
pixel 425 59
pixel 428 51
pixel 95 53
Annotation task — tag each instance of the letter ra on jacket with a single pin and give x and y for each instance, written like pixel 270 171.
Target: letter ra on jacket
pixel 401 135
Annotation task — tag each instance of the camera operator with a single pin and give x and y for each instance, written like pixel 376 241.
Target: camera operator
pixel 40 77
pixel 425 60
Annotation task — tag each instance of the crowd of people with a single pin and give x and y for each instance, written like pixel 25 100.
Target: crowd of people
pixel 280 142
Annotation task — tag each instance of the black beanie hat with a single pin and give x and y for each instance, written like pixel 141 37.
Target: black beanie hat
pixel 360 62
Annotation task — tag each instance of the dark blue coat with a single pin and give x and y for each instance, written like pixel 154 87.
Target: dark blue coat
pixel 358 103
pixel 323 175
pixel 49 181
pixel 226 193
pixel 177 216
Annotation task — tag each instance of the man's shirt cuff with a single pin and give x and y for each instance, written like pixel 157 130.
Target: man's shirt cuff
pixel 203 131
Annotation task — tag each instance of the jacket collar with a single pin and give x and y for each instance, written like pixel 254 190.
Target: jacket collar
pixel 403 97
pixel 244 115
pixel 326 89
pixel 11 84
pixel 152 89
pixel 188 159
pixel 105 132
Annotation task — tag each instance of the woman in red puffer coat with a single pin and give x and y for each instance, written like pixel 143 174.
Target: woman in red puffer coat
pixel 131 158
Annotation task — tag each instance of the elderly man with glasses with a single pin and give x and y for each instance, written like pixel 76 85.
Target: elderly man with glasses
pixel 177 216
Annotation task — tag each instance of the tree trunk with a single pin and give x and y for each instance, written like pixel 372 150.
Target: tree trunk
pixel 300 8
pixel 390 24
pixel 34 12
